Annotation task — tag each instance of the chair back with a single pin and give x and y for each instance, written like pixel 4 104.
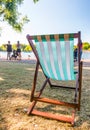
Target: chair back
pixel 55 53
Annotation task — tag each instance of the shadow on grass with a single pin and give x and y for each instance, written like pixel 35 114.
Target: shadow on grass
pixel 15 89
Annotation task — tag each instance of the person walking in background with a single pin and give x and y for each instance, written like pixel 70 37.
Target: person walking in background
pixel 9 50
pixel 19 50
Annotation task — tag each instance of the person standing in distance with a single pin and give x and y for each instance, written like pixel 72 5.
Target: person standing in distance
pixel 9 50
pixel 19 50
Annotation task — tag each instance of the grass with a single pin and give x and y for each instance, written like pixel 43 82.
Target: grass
pixel 15 88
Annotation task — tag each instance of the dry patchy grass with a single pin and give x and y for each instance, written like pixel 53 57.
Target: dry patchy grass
pixel 15 87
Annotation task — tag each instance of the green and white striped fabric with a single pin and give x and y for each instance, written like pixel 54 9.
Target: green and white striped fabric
pixel 56 56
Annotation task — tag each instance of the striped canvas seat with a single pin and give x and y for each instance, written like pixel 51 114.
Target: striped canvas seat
pixel 56 56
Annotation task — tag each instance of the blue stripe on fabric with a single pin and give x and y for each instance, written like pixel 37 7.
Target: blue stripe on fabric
pixel 56 60
pixel 48 59
pixel 58 48
pixel 41 59
pixel 52 59
pixel 63 54
pixel 44 57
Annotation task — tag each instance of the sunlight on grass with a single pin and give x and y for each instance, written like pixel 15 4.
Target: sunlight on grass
pixel 1 79
pixel 18 91
pixel 15 88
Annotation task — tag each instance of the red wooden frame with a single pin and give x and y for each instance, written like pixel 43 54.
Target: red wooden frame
pixel 77 99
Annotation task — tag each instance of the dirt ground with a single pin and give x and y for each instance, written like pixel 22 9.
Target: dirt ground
pixel 15 89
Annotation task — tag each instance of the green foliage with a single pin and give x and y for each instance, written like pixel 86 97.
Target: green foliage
pixel 75 46
pixel 14 47
pixel 9 13
pixel 35 1
pixel 28 48
pixel 89 49
pixel 86 46
pixel 24 47
pixel 3 48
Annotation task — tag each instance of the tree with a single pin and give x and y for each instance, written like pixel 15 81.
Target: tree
pixel 86 46
pixel 28 48
pixel 2 48
pixel 9 13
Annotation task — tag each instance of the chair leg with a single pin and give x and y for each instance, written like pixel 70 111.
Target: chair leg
pixel 80 84
pixel 73 117
pixel 77 98
pixel 63 118
pixel 34 81
pixel 39 94
pixel 76 90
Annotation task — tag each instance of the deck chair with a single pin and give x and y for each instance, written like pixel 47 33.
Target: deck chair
pixel 55 56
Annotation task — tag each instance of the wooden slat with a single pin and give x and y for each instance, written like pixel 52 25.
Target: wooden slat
pixel 76 35
pixel 63 118
pixel 56 102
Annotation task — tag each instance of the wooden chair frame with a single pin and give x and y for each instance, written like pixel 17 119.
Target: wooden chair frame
pixel 34 99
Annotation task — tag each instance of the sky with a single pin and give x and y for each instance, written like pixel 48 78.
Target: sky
pixel 49 17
